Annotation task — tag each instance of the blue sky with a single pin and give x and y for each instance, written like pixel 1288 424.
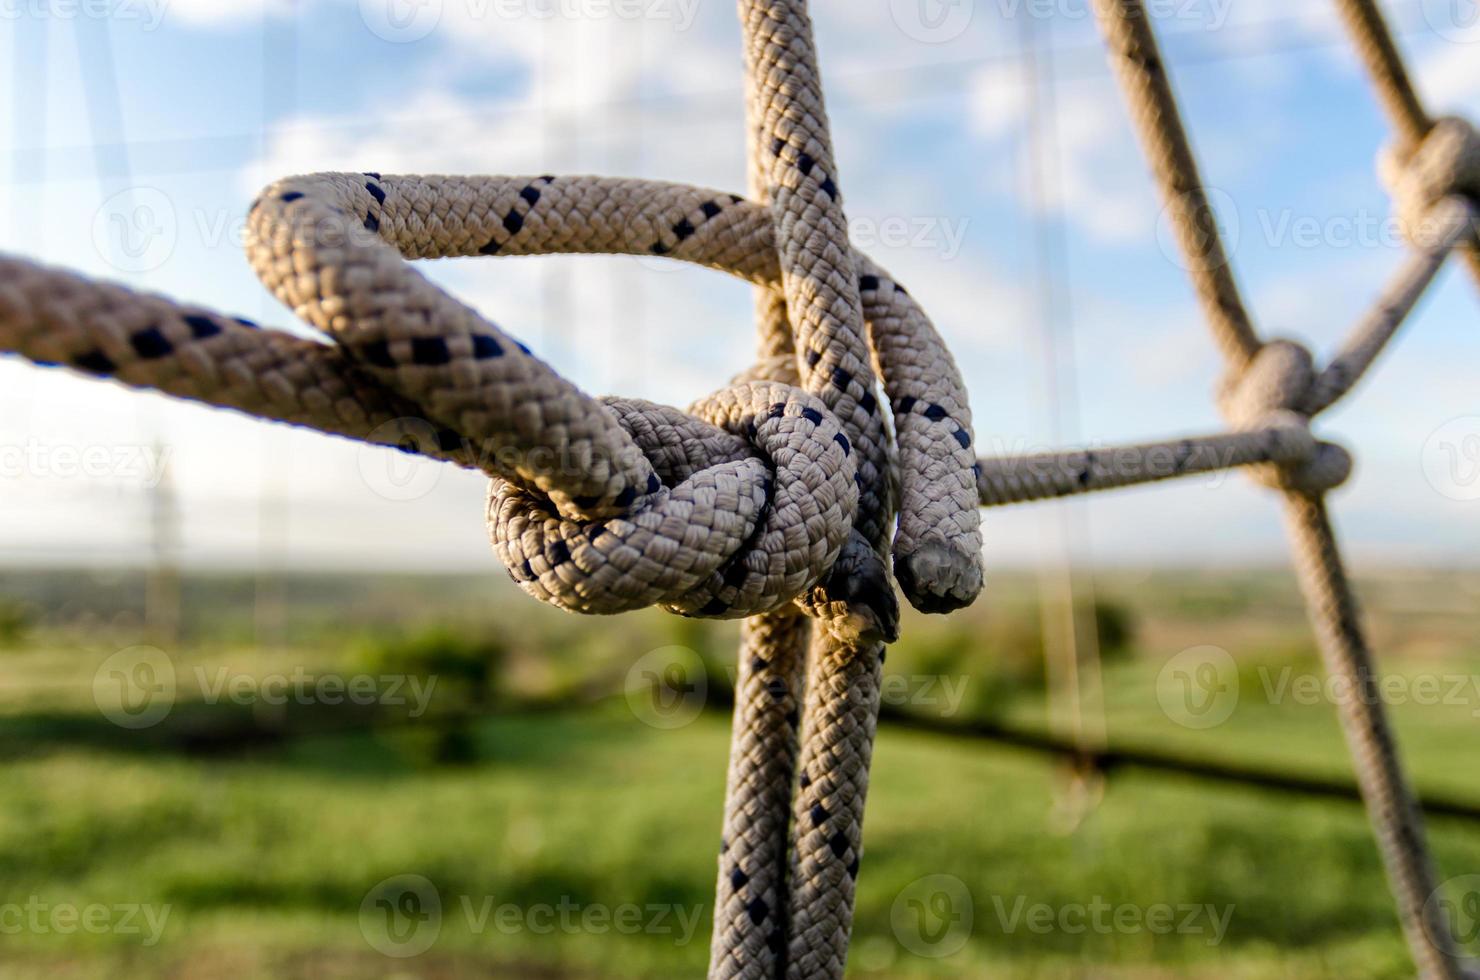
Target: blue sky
pixel 208 100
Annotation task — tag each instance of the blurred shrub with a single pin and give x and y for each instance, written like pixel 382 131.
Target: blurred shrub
pixel 16 620
pixel 1115 627
pixel 1266 670
pixel 465 667
pixel 465 664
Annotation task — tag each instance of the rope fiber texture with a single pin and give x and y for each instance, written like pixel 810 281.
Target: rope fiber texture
pixel 781 497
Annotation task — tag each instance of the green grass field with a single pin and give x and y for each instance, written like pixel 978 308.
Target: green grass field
pixel 581 842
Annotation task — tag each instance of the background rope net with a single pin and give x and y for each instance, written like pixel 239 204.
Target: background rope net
pixel 781 497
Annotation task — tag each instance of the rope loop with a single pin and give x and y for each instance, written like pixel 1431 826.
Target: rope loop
pixel 1271 393
pixel 1419 175
pixel 738 507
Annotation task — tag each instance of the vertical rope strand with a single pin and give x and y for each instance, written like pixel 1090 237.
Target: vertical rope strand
pixel 818 275
pixel 837 749
pixel 1396 820
pixel 750 897
pixel 750 892
pixel 825 309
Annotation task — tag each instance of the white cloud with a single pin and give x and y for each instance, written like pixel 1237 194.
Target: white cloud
pixel 1449 75
pixel 1096 177
pixel 224 12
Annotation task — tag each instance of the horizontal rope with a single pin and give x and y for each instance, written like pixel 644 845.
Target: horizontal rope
pixel 1050 475
pixel 506 414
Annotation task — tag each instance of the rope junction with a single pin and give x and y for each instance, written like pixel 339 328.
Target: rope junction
pixel 773 499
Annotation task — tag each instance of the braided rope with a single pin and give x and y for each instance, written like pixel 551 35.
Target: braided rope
pixel 1393 810
pixel 824 306
pixel 750 931
pixel 1047 476
pixel 750 892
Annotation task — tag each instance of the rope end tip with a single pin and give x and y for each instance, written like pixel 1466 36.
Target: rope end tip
pixel 856 602
pixel 938 578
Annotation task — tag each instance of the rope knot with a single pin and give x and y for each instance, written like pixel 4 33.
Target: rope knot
pixel 1418 176
pixel 753 498
pixel 1270 393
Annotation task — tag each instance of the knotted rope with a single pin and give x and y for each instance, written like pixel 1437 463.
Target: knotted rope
pixel 1420 176
pixel 1411 122
pixel 773 498
pixel 332 247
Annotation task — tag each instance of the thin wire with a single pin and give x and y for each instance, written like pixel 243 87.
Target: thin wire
pixel 1071 651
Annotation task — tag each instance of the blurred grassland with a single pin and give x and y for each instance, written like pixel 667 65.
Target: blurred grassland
pixel 264 830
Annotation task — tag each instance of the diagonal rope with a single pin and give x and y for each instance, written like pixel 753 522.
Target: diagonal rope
pixel 1148 91
pixel 1278 377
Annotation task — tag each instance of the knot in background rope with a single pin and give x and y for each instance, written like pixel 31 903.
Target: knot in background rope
pixel 1274 392
pixel 1445 162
